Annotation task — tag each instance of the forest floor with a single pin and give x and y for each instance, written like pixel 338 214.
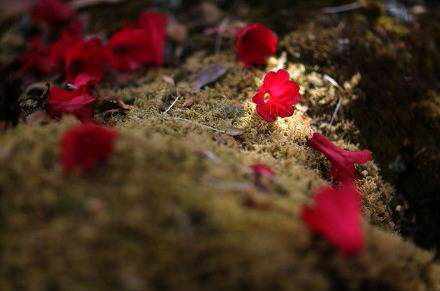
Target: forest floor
pixel 177 207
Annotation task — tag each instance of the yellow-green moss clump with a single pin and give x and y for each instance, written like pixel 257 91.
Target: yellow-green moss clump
pixel 170 213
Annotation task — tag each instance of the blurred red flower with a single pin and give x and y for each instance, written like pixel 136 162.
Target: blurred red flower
pixel 52 12
pixel 86 145
pixel 77 102
pixel 59 49
pixel 86 57
pixel 131 48
pixel 255 43
pixel 155 24
pixel 342 161
pixel 336 215
pixel 276 97
pixel 36 58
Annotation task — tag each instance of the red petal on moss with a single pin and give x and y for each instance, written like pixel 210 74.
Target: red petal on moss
pixel 52 12
pixel 156 26
pixel 78 103
pixel 86 57
pixel 255 43
pixel 336 215
pixel 86 145
pixel 262 170
pixel 277 96
pixel 342 161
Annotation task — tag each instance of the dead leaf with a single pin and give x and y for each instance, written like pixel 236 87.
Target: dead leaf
pixel 209 75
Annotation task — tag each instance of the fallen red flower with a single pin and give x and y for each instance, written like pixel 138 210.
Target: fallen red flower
pixel 59 49
pixel 52 12
pixel 77 102
pixel 336 215
pixel 255 43
pixel 86 145
pixel 37 58
pixel 131 48
pixel 276 97
pixel 156 26
pixel 342 161
pixel 86 57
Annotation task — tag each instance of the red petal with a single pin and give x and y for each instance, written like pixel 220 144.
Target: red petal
pixel 255 43
pixel 86 145
pixel 336 215
pixel 77 102
pixel 263 170
pixel 342 168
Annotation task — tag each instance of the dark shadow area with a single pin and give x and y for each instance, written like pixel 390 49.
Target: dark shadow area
pixel 398 109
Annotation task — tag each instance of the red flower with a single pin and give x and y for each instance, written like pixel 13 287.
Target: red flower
pixel 342 168
pixel 77 102
pixel 255 43
pixel 156 26
pixel 262 170
pixel 86 145
pixel 36 58
pixel 276 97
pixel 336 215
pixel 59 49
pixel 86 57
pixel 52 12
pixel 131 48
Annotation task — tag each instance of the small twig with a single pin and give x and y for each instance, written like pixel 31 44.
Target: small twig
pixel 174 102
pixel 281 61
pixel 343 8
pixel 338 106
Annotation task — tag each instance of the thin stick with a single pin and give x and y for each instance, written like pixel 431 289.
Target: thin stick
pixel 338 106
pixel 174 102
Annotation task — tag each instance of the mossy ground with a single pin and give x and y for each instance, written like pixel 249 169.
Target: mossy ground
pixel 176 207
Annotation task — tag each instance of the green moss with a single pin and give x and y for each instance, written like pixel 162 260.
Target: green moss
pixel 161 215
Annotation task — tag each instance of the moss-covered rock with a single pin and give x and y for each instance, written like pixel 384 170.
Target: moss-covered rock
pixel 165 214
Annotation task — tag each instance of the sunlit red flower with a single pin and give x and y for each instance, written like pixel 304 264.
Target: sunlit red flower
pixel 336 215
pixel 86 57
pixel 52 12
pixel 255 43
pixel 86 145
pixel 37 58
pixel 76 102
pixel 342 161
pixel 84 81
pixel 276 97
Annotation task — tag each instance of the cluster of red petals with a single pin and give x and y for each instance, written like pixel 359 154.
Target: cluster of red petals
pixel 276 96
pixel 36 58
pixel 77 102
pixel 132 47
pixel 255 43
pixel 342 161
pixel 336 215
pixel 262 170
pixel 86 145
pixel 52 12
pixel 86 57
